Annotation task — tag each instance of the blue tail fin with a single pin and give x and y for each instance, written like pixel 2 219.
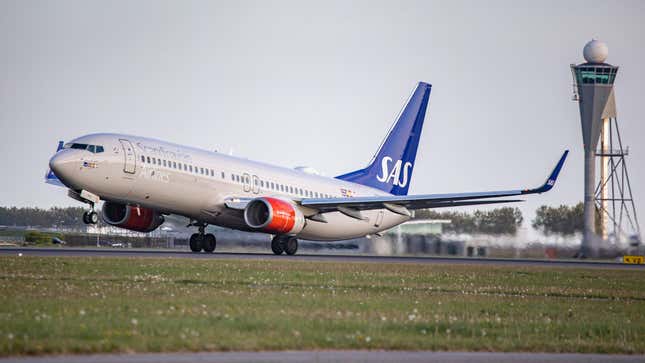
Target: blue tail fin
pixel 391 168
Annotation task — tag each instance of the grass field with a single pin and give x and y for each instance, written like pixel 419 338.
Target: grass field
pixel 82 305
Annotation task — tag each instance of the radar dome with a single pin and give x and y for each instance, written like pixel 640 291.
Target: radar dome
pixel 595 51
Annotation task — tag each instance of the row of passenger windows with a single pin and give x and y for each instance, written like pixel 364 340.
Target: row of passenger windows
pixel 278 187
pixel 245 179
pixel 178 166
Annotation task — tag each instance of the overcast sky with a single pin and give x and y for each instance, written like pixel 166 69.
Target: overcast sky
pixel 317 83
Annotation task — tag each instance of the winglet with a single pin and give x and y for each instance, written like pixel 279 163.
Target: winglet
pixel 550 182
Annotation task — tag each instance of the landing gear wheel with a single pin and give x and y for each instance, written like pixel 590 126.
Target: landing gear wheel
pixel 196 242
pixel 90 217
pixel 291 246
pixel 93 217
pixel 209 243
pixel 276 245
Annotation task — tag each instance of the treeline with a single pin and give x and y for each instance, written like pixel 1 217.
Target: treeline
pixel 497 221
pixel 562 220
pixel 70 217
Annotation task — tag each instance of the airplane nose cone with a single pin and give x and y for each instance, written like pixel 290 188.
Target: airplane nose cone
pixel 63 165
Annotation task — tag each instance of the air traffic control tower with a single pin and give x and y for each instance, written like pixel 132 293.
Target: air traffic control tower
pixel 609 211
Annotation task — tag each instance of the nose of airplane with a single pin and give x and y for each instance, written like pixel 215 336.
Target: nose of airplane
pixel 63 165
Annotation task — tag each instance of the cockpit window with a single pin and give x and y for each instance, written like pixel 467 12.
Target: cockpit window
pixel 91 148
pixel 79 146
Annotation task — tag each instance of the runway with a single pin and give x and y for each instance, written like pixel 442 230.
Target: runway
pixel 162 253
pixel 330 356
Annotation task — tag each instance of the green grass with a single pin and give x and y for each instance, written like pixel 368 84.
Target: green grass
pixel 83 305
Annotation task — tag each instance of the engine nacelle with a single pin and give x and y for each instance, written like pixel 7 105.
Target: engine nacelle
pixel 273 215
pixel 130 217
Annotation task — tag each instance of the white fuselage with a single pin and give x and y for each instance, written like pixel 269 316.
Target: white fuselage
pixel 195 183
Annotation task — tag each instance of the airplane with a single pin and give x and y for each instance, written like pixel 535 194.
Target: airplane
pixel 141 179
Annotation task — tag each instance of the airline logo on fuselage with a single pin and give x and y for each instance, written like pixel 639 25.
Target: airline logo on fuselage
pixel 392 172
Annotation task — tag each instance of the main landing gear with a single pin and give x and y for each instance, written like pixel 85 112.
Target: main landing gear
pixel 287 244
pixel 200 241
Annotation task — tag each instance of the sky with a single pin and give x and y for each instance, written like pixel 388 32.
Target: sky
pixel 318 84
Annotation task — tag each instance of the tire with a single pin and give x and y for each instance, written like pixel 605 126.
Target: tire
pixel 209 243
pixel 291 246
pixel 276 245
pixel 196 242
pixel 86 218
pixel 93 217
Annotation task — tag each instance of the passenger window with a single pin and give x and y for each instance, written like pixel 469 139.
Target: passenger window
pixel 232 177
pixel 262 183
pixel 148 158
pixel 185 167
pixel 223 177
pixel 164 162
pixel 190 167
pixel 174 164
pixel 143 159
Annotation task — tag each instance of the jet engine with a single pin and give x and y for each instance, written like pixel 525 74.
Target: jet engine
pixel 274 216
pixel 131 217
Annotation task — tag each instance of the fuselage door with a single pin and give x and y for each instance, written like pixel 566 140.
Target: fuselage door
pixel 246 181
pixel 256 184
pixel 130 159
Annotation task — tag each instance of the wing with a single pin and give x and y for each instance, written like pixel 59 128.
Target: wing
pixel 403 203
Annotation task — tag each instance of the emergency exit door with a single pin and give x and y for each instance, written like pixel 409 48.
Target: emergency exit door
pixel 130 160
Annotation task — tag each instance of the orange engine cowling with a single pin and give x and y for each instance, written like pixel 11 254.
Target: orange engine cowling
pixel 130 217
pixel 273 215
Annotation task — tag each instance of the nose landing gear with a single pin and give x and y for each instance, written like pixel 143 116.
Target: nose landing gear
pixel 90 217
pixel 202 241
